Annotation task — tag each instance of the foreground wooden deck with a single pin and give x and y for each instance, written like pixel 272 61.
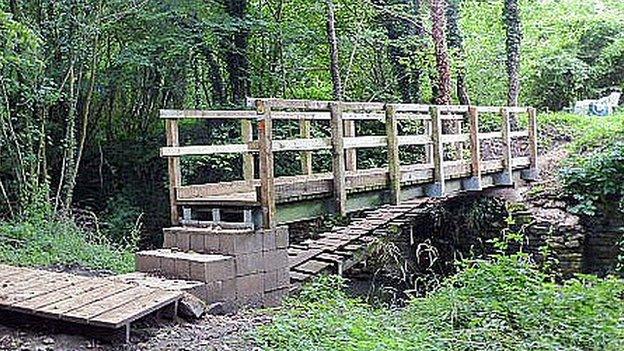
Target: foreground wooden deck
pixel 100 302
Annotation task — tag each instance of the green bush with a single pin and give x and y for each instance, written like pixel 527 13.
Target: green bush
pixel 504 304
pixel 42 242
pixel 559 80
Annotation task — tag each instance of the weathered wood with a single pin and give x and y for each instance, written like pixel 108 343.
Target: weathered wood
pixel 267 181
pixel 175 173
pixel 475 150
pixel 248 158
pixel 437 189
pixel 394 163
pixel 350 154
pixel 533 171
pixel 429 147
pixel 198 150
pixel 306 156
pixel 179 114
pixel 338 159
pixel 506 176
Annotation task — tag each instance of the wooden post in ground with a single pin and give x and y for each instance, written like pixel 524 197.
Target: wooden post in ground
pixel 248 159
pixel 175 174
pixel 350 154
pixel 505 177
pixel 338 158
pixel 533 172
pixel 266 171
pixel 437 189
pixel 474 182
pixel 394 163
pixel 306 156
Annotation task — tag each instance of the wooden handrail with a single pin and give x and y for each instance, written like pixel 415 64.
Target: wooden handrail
pixel 343 142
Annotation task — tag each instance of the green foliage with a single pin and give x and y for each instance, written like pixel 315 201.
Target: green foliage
pixel 596 182
pixel 504 304
pixel 558 81
pixel 42 242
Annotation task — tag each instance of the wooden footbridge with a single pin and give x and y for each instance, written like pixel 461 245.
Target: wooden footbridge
pixel 451 139
pixel 459 153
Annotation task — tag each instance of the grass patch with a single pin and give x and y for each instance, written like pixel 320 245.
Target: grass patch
pixel 503 304
pixel 42 242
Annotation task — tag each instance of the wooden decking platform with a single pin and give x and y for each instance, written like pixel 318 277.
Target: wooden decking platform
pixel 100 302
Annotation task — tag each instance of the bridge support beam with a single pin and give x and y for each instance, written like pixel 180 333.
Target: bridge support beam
pixel 267 178
pixel 474 182
pixel 437 189
pixel 394 163
pixel 532 174
pixel 338 158
pixel 505 177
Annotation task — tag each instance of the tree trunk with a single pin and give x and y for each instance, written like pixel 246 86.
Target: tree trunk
pixel 333 45
pixel 237 61
pixel 443 65
pixel 456 45
pixel 511 16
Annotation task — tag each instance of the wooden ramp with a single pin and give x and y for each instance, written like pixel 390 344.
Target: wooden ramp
pixel 344 247
pixel 100 302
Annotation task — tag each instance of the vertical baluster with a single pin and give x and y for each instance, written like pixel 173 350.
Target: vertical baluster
pixel 265 151
pixel 394 163
pixel 338 158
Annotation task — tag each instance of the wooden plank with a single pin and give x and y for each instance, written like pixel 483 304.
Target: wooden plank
pixel 298 276
pixel 102 290
pixel 58 295
pixel 20 275
pixel 199 150
pixel 532 133
pixel 248 158
pixel 365 141
pixel 6 270
pixel 302 144
pixel 414 140
pixel 199 191
pixel 25 281
pixel 338 159
pixel 350 154
pixel 267 181
pixel 179 114
pixel 112 301
pixel 438 156
pixel 175 173
pixel 506 130
pixel 394 163
pixel 306 156
pixel 136 308
pixel 313 267
pixel 490 135
pixel 454 138
pixel 475 148
pixel 62 281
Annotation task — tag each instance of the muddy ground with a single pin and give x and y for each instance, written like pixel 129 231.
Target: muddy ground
pixel 209 333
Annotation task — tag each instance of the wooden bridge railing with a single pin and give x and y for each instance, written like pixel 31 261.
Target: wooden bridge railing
pixel 343 142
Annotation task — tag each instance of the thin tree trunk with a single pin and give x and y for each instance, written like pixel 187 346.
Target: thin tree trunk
pixel 237 61
pixel 333 45
pixel 511 16
pixel 456 44
pixel 443 65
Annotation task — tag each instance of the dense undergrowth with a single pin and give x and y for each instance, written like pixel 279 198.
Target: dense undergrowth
pixel 45 240
pixel 502 304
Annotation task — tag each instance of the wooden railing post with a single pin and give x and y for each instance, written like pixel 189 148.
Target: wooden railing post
pixel 248 159
pixel 266 171
pixel 533 172
pixel 506 176
pixel 429 147
pixel 338 158
pixel 175 174
pixel 474 182
pixel 437 189
pixel 350 154
pixel 394 163
pixel 306 156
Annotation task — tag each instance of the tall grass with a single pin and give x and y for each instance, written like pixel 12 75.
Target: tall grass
pixel 503 304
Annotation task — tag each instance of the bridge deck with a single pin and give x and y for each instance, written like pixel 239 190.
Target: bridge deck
pixel 100 302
